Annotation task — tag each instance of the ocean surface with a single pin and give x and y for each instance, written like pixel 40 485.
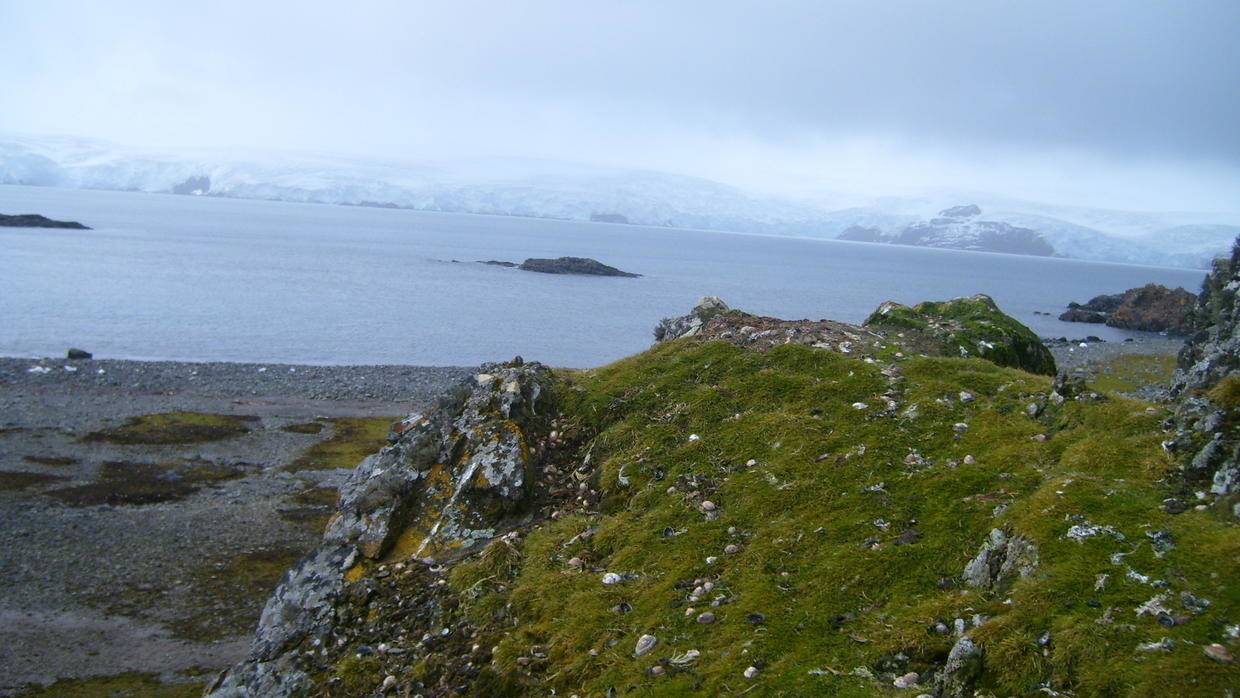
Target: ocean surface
pixel 193 278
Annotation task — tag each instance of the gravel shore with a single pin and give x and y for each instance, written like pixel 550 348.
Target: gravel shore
pixel 102 589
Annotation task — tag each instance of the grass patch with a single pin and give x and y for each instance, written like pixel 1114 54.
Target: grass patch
pixel 1128 373
pixel 232 593
pixel 173 428
pixel 129 685
pixel 303 428
pixel 352 439
pixel 56 461
pixel 10 481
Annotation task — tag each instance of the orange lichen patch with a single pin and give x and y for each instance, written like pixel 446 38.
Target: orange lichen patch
pixel 355 573
pixel 438 492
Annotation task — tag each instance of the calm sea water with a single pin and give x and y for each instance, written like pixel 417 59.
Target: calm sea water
pixel 178 277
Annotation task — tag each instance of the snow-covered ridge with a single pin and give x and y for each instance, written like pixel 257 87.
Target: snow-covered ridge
pixel 580 192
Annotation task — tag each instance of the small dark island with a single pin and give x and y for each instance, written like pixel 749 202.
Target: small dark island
pixel 34 220
pixel 573 265
pixel 563 265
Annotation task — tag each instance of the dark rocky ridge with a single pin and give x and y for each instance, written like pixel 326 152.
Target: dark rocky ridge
pixel 1150 308
pixel 34 220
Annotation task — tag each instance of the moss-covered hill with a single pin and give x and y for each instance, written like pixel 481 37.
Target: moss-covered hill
pixel 710 519
pixel 840 531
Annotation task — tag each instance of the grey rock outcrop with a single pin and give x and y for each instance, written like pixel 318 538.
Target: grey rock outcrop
pixel 689 325
pixel 451 480
pixel 1208 387
pixel 1001 560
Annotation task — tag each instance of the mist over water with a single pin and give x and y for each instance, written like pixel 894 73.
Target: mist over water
pixel 190 278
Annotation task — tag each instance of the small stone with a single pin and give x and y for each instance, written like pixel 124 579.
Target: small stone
pixel 612 578
pixel 706 618
pixel 731 549
pixel 959 428
pixel 708 587
pixel 750 463
pixel 1219 653
pixel 389 682
pixel 969 460
pixel 908 680
pixel 708 505
pixel 656 670
pixel 645 643
pixel 756 618
pixel 577 563
pixel 1174 505
pixel 966 396
pixel 751 672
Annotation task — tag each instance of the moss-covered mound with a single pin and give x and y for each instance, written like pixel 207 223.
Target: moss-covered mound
pixel 972 326
pixel 173 428
pixel 804 522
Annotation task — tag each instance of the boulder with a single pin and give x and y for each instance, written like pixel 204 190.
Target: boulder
pixel 78 354
pixel 961 671
pixel 1001 560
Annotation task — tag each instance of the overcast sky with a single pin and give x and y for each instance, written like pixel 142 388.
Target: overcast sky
pixel 1107 102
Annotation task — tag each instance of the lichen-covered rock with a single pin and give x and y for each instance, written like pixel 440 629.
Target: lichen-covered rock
pixel 1208 387
pixel 451 480
pixel 972 326
pixel 1000 560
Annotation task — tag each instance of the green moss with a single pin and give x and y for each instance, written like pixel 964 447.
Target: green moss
pixel 173 428
pixel 22 480
pixel 352 439
pixel 807 517
pixel 232 592
pixel 1227 393
pixel 1128 373
pixel 972 326
pixel 303 428
pixel 56 461
pixel 121 483
pixel 130 685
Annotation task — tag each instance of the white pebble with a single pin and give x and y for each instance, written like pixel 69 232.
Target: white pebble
pixel 751 672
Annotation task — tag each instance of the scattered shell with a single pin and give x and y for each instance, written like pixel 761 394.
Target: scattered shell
pixel 969 460
pixel 751 672
pixel 856 406
pixel 645 643
pixel 612 578
pixel 577 563
pixel 708 505
pixel 706 618
pixel 966 396
pixel 694 437
pixel 1219 653
pixel 731 549
pixel 906 681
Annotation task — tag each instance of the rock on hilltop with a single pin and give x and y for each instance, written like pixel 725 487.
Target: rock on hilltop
pixel 963 327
